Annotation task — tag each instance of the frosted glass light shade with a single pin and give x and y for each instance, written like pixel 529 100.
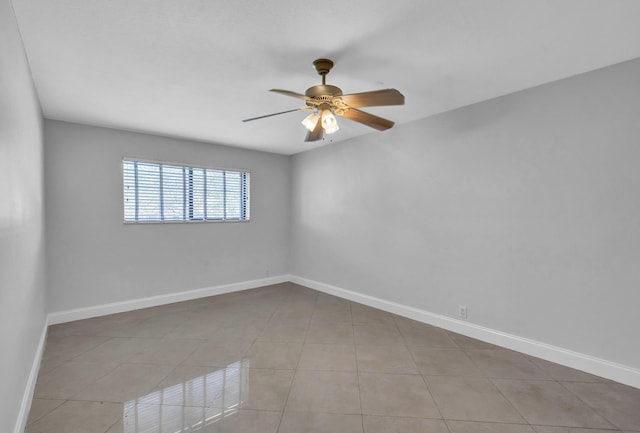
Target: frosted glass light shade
pixel 311 121
pixel 329 122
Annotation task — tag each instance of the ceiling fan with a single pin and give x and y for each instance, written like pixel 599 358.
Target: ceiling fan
pixel 327 101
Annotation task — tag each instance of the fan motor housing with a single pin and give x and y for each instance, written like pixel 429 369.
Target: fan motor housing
pixel 323 90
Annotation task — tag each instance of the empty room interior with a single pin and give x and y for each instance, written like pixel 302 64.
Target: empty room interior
pixel 349 217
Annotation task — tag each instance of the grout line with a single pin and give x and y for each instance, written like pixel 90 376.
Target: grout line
pixel 490 380
pixel 282 304
pixel 433 398
pixel 595 409
pixel 293 378
pixel 355 352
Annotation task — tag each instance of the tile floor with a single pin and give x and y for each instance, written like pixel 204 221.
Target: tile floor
pixel 288 359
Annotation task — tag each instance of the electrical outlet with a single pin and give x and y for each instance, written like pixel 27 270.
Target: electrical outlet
pixel 462 311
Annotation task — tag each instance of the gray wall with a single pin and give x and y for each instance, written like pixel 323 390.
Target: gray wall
pixel 93 258
pixel 22 291
pixel 524 208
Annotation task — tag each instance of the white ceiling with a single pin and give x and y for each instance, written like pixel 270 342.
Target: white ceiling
pixel 196 68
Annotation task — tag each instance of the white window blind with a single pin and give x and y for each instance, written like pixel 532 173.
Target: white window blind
pixel 166 192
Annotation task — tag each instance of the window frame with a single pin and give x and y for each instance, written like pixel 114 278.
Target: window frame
pixel 188 210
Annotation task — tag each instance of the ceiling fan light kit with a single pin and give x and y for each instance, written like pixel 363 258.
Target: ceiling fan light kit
pixel 328 101
pixel 310 121
pixel 329 122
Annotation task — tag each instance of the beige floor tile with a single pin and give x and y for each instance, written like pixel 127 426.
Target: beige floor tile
pixel 406 323
pixel 292 298
pixel 465 342
pixel 41 407
pixel 444 362
pixel 385 359
pixel 296 302
pixel 547 429
pixel 396 424
pixel 266 389
pixel 620 404
pixel 195 330
pixel 152 327
pixel 396 395
pixel 209 324
pixel 324 391
pixel 276 355
pixel 71 378
pixel 237 362
pixel 78 417
pixel 328 357
pixel 331 316
pixel 122 328
pixel 245 421
pixel 125 382
pixel 105 325
pixel 190 385
pixel 243 331
pixel 324 300
pixel 471 399
pixel 485 427
pixel 116 349
pixel 138 418
pixel 213 319
pixel 560 372
pixel 337 311
pixel 428 337
pixel 506 364
pixel 372 317
pixel 168 351
pixel 334 333
pixel 166 418
pixel 52 362
pixel 549 403
pixel 59 330
pixel 359 308
pixel 118 427
pixel 310 422
pixel 300 316
pixel 70 346
pixel 219 352
pixel 288 331
pixel 369 335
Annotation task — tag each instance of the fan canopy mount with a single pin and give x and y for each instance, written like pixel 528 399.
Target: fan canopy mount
pixel 327 100
pixel 323 66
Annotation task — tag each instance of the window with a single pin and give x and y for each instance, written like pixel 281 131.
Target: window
pixel 167 192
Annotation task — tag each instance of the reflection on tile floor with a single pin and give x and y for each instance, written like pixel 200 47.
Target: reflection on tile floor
pixel 191 405
pixel 285 359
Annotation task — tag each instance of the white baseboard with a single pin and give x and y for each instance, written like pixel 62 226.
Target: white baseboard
pixel 27 397
pixel 590 364
pixel 153 301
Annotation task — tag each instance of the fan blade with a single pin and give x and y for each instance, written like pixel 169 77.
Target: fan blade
pixel 374 98
pixel 275 114
pixel 289 93
pixel 316 134
pixel 376 122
